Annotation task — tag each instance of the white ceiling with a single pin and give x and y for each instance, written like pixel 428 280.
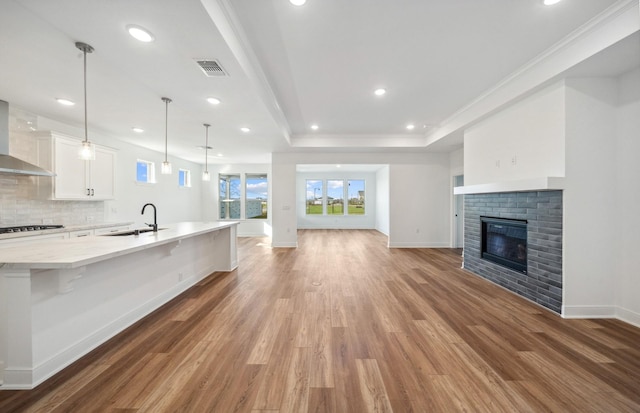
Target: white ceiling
pixel 288 67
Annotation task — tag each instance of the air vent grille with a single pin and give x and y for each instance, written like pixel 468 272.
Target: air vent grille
pixel 211 67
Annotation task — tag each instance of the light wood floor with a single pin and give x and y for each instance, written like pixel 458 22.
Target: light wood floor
pixel 344 324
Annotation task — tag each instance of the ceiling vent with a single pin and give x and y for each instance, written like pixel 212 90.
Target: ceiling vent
pixel 211 67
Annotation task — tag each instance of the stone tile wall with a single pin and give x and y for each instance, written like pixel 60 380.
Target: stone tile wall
pixel 543 211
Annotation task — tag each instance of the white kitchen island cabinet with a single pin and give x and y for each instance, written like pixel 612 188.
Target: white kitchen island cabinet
pixel 61 300
pixel 75 179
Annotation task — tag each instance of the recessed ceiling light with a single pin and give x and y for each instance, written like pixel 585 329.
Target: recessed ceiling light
pixel 380 92
pixel 411 126
pixel 551 2
pixel 245 129
pixel 137 130
pixel 297 2
pixel 337 166
pixel 314 127
pixel 65 102
pixel 213 101
pixel 219 155
pixel 140 33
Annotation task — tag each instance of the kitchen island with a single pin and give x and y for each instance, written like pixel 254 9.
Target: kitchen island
pixel 60 300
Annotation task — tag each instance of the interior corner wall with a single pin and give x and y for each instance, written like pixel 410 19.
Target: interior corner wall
pixel 523 141
pixel 283 196
pixel 589 276
pixel 627 259
pixel 420 203
pixel 382 200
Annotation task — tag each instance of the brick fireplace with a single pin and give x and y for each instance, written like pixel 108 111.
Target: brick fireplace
pixel 542 212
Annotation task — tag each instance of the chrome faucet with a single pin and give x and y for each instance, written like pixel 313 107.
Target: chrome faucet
pixel 155 221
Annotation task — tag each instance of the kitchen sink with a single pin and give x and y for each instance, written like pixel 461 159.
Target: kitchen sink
pixel 131 232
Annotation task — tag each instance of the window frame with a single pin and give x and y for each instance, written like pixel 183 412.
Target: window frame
pixel 187 176
pixel 324 185
pixel 264 204
pixel 226 199
pixel 314 198
pixel 151 172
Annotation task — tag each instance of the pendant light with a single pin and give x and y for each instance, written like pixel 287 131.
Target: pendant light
pixel 166 166
pixel 86 151
pixel 205 175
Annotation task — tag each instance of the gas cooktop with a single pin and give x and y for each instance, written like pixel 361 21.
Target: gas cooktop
pixel 24 228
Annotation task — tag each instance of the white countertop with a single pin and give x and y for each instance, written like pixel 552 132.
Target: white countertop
pixel 77 252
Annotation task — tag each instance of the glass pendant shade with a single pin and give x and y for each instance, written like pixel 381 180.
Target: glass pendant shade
pixel 206 176
pixel 165 169
pixel 87 151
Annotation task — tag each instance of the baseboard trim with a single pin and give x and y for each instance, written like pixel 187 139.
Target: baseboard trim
pixel 601 311
pixel 588 311
pixel 418 245
pixel 284 244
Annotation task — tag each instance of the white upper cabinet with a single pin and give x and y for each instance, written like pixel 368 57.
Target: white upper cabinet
pixel 75 178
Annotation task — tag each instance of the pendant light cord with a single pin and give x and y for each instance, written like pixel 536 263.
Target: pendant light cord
pixel 166 126
pixel 86 127
pixel 206 147
pixel 85 48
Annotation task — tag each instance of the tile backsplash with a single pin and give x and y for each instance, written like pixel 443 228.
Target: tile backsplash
pixel 19 205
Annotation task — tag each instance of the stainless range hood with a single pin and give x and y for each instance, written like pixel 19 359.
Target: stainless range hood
pixel 10 164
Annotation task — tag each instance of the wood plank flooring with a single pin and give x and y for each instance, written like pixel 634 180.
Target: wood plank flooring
pixel 344 324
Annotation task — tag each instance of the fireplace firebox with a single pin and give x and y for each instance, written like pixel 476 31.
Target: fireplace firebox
pixel 504 242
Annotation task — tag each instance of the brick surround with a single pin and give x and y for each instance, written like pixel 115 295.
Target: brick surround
pixel 543 211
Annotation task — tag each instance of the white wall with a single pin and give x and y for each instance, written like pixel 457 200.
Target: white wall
pixel 526 140
pixel 627 259
pixel 420 203
pixel 211 200
pixel 366 221
pixel 419 195
pixel 590 198
pixel 382 200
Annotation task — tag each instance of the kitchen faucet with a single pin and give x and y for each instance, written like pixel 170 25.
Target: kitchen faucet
pixel 155 221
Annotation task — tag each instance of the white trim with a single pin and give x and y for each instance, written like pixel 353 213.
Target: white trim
pixel 418 244
pixel 601 311
pixel 588 311
pixel 284 245
pixel 628 316
pixel 535 184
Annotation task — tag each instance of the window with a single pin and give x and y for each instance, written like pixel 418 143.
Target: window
pixel 256 193
pixel 355 198
pixel 335 197
pixel 184 178
pixel 145 172
pixel 230 196
pixel 314 197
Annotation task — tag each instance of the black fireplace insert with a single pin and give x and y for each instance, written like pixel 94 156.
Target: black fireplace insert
pixel 504 242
